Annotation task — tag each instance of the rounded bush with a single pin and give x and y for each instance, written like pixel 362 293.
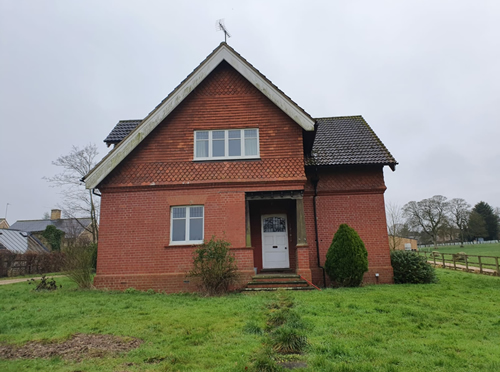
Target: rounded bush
pixel 409 267
pixel 347 258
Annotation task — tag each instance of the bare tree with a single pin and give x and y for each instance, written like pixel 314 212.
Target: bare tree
pixel 427 214
pixel 78 201
pixel 395 224
pixel 459 213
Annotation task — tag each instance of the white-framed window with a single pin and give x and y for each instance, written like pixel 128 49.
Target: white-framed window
pixel 186 224
pixel 226 144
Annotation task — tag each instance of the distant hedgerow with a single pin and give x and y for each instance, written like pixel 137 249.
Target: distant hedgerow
pixel 409 267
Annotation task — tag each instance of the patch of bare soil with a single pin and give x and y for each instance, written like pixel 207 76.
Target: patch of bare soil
pixel 78 347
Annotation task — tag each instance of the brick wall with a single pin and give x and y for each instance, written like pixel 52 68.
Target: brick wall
pixel 353 196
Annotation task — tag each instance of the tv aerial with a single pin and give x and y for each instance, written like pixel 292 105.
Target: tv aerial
pixel 219 26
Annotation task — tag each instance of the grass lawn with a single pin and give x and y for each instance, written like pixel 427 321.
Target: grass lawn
pixel 450 326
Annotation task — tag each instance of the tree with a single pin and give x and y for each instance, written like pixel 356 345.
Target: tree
pixel 490 219
pixel 428 215
pixel 476 227
pixel 78 201
pixel 347 258
pixel 459 213
pixel 395 225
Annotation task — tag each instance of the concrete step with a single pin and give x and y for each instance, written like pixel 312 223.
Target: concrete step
pixel 269 277
pixel 259 289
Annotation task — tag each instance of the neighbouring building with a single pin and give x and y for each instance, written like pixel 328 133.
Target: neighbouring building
pixel 73 228
pixel 228 154
pixel 15 241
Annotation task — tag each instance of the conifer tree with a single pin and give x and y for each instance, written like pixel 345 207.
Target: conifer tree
pixel 347 258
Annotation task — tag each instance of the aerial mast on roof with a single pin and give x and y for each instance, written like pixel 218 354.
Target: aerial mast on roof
pixel 219 25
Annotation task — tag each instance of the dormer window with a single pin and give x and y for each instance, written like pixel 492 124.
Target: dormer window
pixel 226 144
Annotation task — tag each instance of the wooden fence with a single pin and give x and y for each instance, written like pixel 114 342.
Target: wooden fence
pixel 466 262
pixel 29 263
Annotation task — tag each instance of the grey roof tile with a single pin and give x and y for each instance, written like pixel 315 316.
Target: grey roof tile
pixel 347 140
pixel 121 130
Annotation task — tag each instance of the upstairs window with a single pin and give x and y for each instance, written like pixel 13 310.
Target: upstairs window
pixel 226 144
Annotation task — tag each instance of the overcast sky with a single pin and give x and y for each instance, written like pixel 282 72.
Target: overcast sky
pixel 424 74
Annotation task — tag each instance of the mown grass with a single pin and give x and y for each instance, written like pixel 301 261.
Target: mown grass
pixel 450 326
pixel 492 250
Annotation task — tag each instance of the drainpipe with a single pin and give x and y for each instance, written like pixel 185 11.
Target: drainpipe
pixel 315 184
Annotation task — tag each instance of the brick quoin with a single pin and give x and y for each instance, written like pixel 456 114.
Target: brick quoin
pixel 137 196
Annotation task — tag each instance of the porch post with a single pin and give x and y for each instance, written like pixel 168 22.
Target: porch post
pixel 303 267
pixel 247 224
pixel 301 222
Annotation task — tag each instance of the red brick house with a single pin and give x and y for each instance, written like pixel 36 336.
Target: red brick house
pixel 229 154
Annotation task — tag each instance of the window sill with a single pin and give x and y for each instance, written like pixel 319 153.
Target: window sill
pixel 225 159
pixel 182 245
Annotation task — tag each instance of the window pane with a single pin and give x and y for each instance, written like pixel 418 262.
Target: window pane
pixel 251 146
pixel 250 133
pixel 196 229
pixel 196 212
pixel 234 133
pixel 178 230
pixel 202 149
pixel 218 148
pixel 179 212
pixel 218 134
pixel 201 135
pixel 274 224
pixel 235 147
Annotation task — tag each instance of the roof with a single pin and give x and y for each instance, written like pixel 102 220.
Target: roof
pixel 16 241
pixel 71 226
pixel 121 130
pixel 222 53
pixel 347 140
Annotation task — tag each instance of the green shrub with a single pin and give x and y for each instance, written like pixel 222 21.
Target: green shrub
pixel 78 264
pixel 409 267
pixel 347 258
pixel 215 267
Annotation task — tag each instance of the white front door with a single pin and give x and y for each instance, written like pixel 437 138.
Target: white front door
pixel 275 242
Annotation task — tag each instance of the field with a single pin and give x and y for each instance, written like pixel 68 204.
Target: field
pixel 450 326
pixel 492 250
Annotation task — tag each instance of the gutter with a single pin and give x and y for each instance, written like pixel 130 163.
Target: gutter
pixel 315 181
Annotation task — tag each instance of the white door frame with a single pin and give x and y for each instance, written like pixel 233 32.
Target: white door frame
pixel 263 217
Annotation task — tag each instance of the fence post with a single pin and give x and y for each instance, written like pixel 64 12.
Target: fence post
pixel 434 256
pixel 454 262
pixel 480 264
pixel 496 263
pixel 444 261
pixel 466 263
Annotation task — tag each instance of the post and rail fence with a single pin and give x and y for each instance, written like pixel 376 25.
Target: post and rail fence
pixel 466 262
